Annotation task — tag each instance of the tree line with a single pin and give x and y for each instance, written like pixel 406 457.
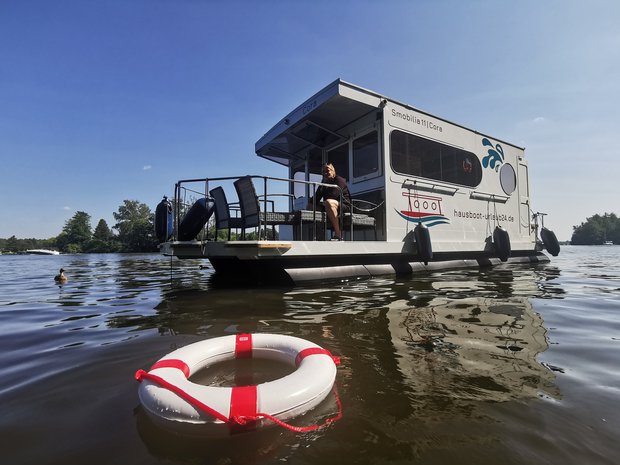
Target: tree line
pixel 134 231
pixel 597 230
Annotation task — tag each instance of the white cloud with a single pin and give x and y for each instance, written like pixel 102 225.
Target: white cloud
pixel 539 120
pixel 146 167
pixel 66 208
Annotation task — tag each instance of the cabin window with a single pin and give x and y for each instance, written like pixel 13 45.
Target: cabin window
pixel 314 162
pixel 416 156
pixel 339 157
pixel 366 156
pixel 299 188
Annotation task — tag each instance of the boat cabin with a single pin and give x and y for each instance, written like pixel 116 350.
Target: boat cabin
pixel 411 167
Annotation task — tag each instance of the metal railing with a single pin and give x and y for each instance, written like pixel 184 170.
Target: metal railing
pixel 185 189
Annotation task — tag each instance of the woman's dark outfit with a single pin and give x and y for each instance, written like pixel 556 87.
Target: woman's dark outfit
pixel 324 192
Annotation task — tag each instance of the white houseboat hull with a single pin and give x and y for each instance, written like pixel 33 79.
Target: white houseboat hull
pixel 295 262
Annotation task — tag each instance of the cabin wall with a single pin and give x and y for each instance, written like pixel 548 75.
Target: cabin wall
pixel 459 216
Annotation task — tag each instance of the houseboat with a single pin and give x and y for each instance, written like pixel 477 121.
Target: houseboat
pixel 427 194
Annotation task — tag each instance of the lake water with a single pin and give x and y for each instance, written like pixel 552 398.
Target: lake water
pixel 509 365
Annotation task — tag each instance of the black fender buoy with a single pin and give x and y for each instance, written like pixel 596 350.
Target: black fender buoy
pixel 195 219
pixel 501 241
pixel 163 220
pixel 550 241
pixel 423 243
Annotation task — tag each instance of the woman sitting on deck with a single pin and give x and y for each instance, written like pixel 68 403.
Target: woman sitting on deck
pixel 331 197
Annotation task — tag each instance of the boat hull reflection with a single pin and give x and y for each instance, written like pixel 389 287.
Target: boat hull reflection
pixel 476 349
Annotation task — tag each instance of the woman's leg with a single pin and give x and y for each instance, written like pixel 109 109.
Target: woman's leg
pixel 331 208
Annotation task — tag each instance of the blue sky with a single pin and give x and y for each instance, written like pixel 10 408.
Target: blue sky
pixel 107 100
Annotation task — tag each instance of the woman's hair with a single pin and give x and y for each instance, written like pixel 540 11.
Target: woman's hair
pixel 330 166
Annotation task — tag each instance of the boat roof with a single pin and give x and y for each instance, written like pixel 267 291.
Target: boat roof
pixel 317 121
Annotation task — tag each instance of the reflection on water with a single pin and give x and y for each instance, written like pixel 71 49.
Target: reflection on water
pixel 470 349
pixel 441 367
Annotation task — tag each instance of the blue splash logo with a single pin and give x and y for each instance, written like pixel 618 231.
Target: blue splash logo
pixel 495 155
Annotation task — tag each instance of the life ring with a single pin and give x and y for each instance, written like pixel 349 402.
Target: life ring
pixel 550 241
pixel 501 241
pixel 468 166
pixel 171 400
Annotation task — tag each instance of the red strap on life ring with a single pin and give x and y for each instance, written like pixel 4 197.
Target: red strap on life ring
pixel 243 346
pixel 243 408
pixel 142 375
pixel 172 363
pixel 315 351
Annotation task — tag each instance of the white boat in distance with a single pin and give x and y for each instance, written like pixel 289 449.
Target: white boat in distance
pixel 427 194
pixel 42 252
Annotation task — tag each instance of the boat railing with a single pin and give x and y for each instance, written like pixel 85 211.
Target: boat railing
pixel 273 194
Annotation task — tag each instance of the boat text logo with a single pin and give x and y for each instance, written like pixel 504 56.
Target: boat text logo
pixel 495 156
pixel 423 209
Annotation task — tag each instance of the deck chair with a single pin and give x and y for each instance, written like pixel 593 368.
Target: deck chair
pixel 251 214
pixel 223 220
pixel 357 220
pixel 360 216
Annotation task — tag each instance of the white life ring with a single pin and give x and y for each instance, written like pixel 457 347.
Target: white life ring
pixel 174 402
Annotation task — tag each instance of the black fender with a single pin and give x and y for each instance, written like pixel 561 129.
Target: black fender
pixel 423 243
pixel 550 241
pixel 163 220
pixel 501 242
pixel 195 219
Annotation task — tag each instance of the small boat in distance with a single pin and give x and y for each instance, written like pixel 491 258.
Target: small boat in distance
pixel 42 252
pixel 608 243
pixel 427 194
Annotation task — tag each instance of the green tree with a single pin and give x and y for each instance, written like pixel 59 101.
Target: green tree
pixel 103 240
pixel 102 231
pixel 76 234
pixel 12 244
pixel 135 226
pixel 222 234
pixel 596 230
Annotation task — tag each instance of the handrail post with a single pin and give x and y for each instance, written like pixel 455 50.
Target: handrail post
pixel 177 193
pixel 264 209
pixel 314 213
pixel 341 216
pixel 207 203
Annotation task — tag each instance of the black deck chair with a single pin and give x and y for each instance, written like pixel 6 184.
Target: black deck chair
pixel 358 219
pixel 251 213
pixel 223 220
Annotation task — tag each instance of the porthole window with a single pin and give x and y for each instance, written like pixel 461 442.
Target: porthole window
pixel 508 178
